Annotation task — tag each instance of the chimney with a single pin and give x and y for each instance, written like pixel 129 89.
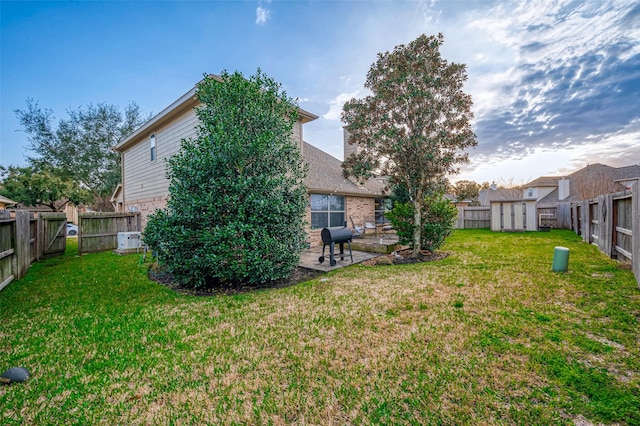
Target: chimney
pixel 348 148
pixel 493 186
pixel 563 189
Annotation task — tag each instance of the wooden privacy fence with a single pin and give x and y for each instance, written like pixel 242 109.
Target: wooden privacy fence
pixel 612 222
pixel 554 215
pixel 25 238
pixel 99 231
pixel 473 217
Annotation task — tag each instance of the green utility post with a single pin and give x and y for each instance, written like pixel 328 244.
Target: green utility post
pixel 560 259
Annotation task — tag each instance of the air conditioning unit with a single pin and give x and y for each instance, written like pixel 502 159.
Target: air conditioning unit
pixel 129 240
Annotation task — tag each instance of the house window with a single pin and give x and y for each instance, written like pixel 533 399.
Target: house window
pixel 152 143
pixel 327 210
pixel 382 206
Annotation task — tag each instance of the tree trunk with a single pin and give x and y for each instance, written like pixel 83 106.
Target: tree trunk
pixel 417 228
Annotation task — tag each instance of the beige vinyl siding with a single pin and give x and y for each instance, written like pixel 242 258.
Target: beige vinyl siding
pixel 145 178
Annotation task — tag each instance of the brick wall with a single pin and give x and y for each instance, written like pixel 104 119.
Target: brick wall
pixel 361 209
pixel 146 207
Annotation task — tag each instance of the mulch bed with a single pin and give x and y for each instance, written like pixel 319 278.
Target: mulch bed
pixel 216 288
pixel 299 275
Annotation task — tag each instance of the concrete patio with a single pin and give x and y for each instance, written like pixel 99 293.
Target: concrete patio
pixel 368 247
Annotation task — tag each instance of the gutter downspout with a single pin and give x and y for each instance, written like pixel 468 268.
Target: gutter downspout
pixel 122 179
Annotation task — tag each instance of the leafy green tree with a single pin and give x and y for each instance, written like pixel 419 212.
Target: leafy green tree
pixel 416 125
pixel 80 147
pixel 400 194
pixel 33 188
pixel 237 199
pixel 437 219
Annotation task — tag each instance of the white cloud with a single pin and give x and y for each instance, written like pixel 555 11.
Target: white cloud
pixel 262 15
pixel 335 105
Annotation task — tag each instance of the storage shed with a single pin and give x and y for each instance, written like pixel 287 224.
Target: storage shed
pixel 513 215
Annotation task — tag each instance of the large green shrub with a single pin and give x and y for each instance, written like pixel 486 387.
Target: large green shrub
pixel 237 200
pixel 438 217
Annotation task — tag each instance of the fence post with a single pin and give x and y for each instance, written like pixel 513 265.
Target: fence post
pixel 39 237
pixel 23 237
pixel 635 229
pixel 79 222
pixel 563 213
pixel 605 227
pixel 460 220
pixel 586 220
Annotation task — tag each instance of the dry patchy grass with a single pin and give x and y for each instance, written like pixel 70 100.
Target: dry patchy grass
pixel 487 336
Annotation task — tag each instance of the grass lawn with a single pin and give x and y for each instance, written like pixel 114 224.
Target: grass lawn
pixel 487 336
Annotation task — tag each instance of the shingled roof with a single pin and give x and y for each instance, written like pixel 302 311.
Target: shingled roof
pixel 325 176
pixel 543 181
pixel 7 201
pixel 593 175
pixel 486 196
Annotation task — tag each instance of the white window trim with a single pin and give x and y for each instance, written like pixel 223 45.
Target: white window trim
pixel 329 211
pixel 153 147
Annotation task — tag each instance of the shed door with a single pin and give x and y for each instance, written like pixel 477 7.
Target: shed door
pixel 506 218
pixel 518 217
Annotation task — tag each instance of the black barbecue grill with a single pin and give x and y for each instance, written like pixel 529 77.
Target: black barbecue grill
pixel 331 237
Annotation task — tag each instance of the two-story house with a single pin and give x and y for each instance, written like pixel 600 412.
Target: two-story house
pixel 333 199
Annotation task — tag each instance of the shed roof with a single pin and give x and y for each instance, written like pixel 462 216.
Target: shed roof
pixel 486 196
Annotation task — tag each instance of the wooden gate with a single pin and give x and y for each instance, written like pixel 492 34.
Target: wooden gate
pixel 25 239
pixel 53 233
pixel 8 264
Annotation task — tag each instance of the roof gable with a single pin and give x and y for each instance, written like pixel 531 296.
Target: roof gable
pixel 184 103
pixel 325 175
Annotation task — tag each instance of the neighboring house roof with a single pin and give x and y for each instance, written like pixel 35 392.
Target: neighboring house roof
pixel 603 171
pixel 627 173
pixel 454 199
pixel 325 176
pixel 7 201
pixel 543 181
pixel 591 177
pixel 185 103
pixel 486 196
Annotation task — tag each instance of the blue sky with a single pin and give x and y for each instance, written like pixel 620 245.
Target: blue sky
pixel 555 84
